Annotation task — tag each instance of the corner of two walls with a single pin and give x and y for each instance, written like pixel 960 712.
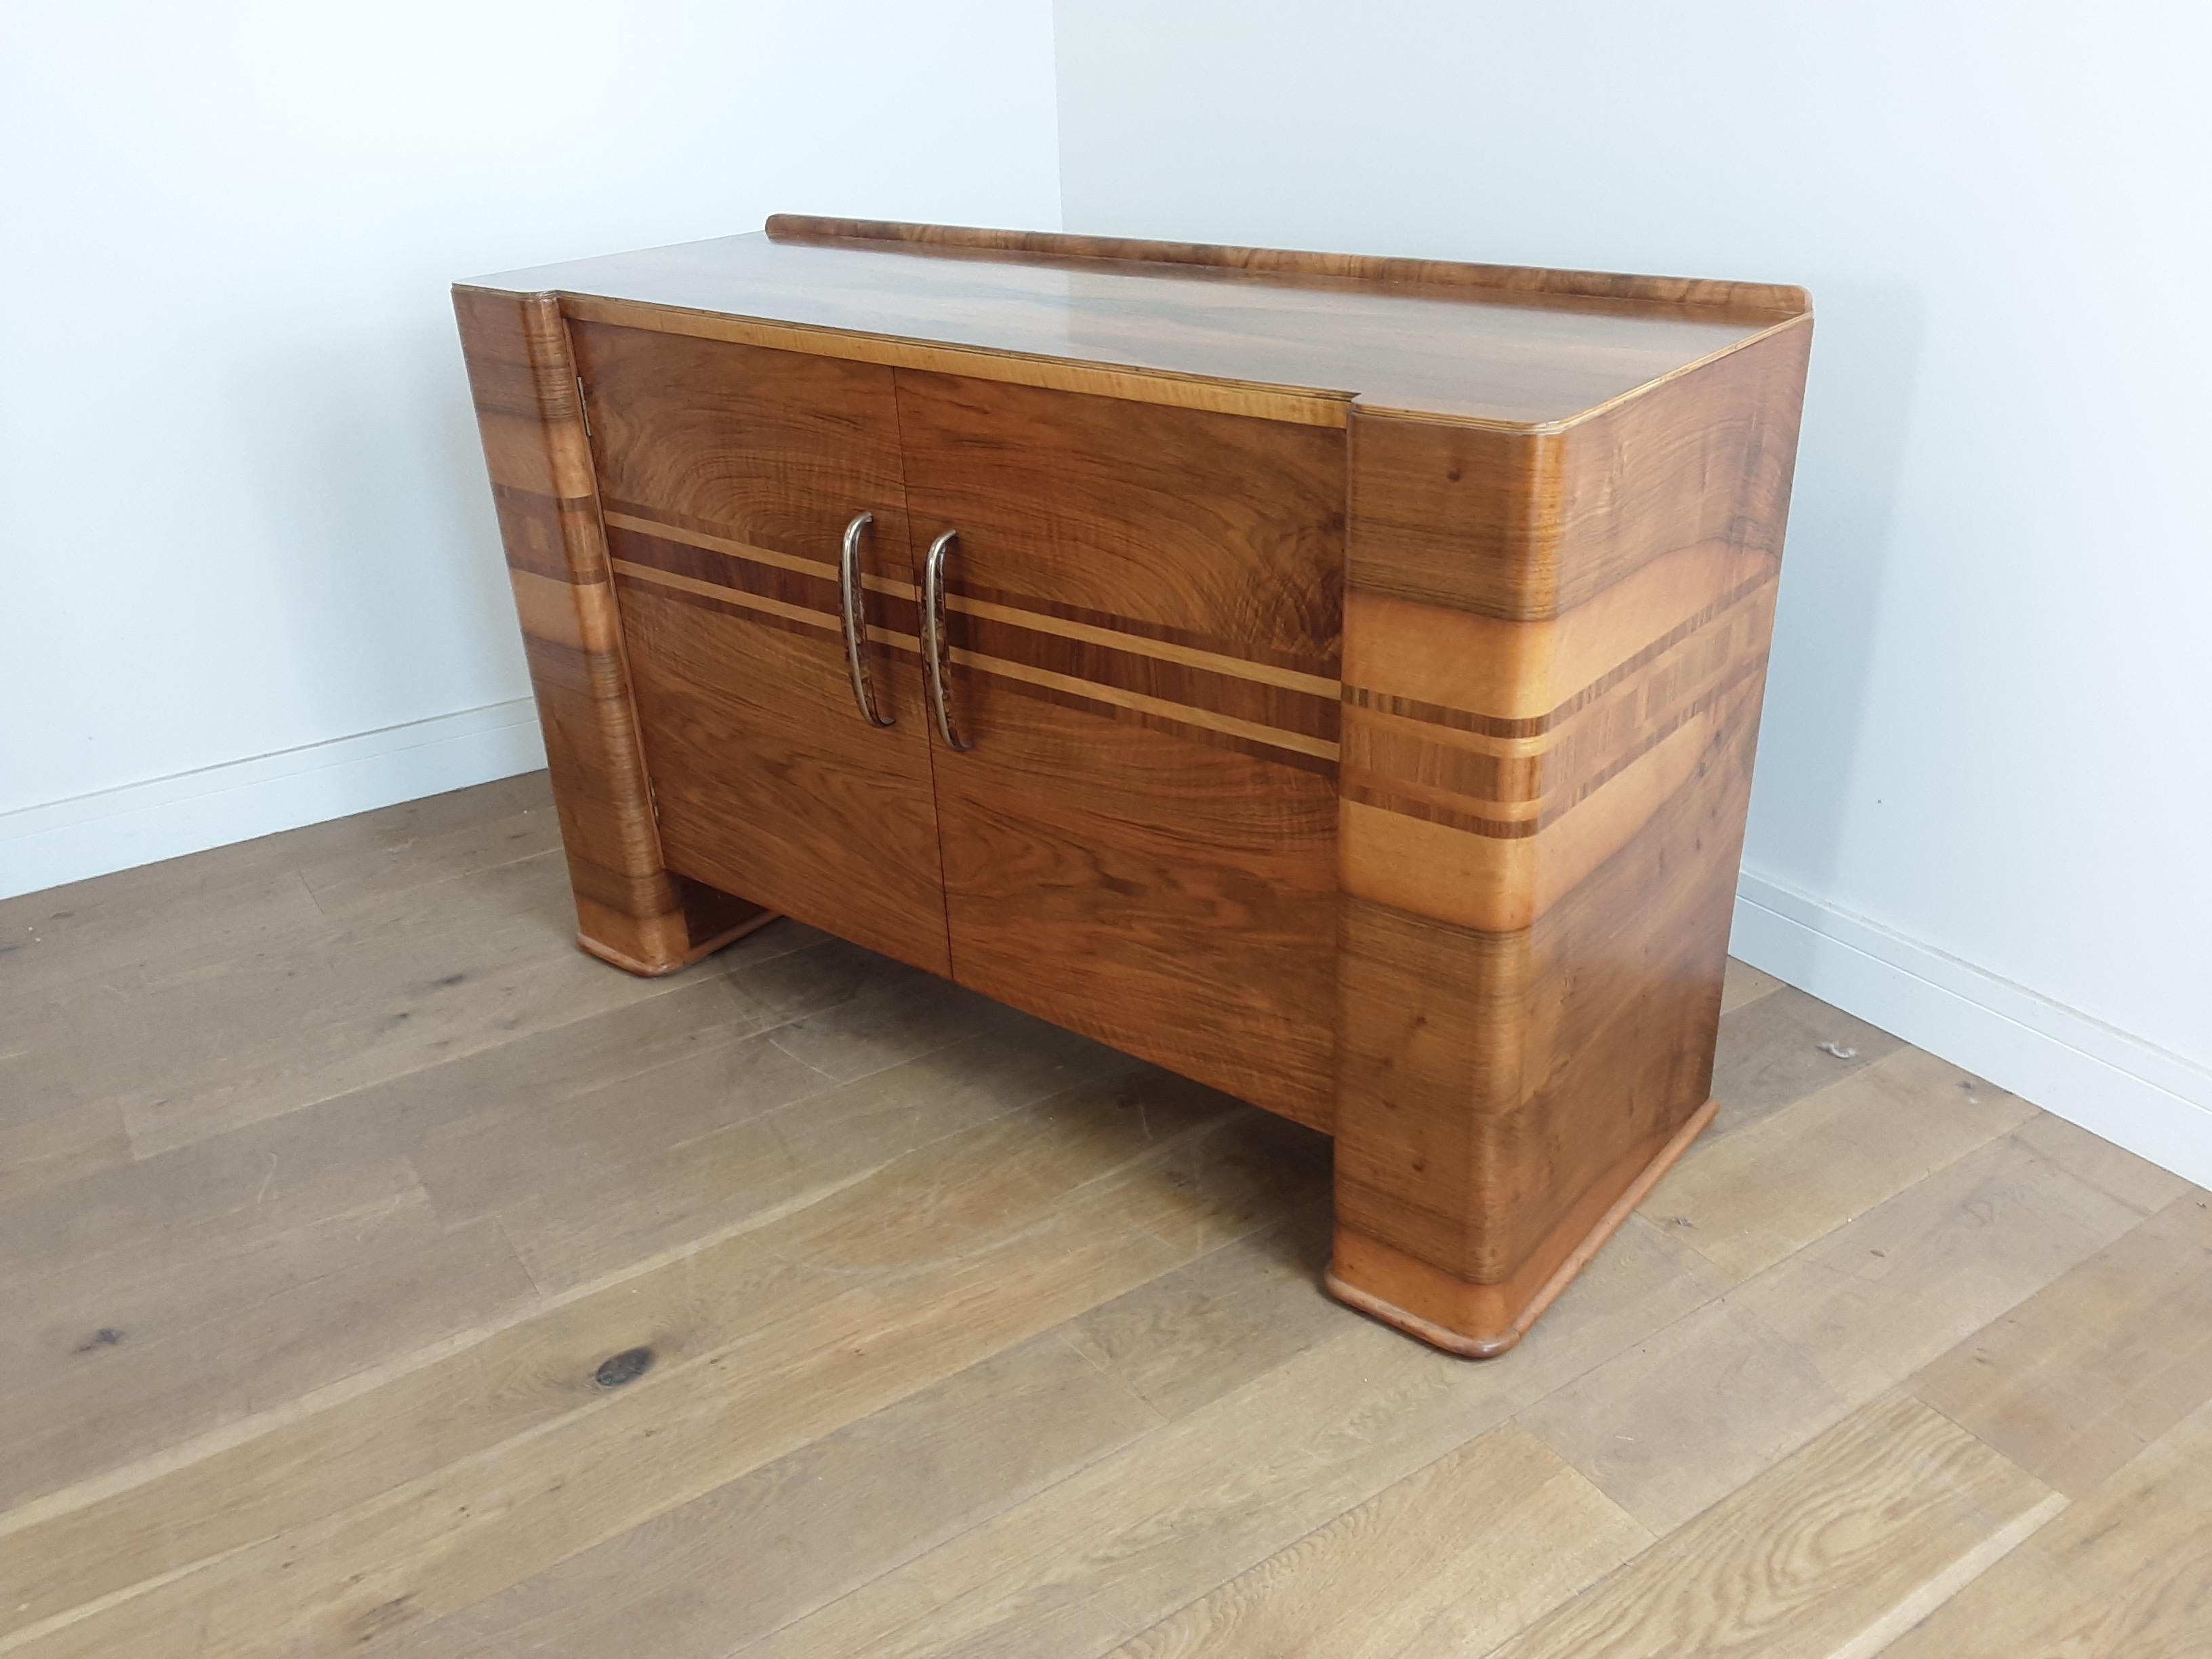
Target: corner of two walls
pixel 1983 777
pixel 253 572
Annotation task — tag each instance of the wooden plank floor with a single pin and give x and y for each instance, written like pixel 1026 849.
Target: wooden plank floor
pixel 380 1276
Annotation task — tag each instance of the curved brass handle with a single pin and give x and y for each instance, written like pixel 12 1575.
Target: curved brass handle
pixel 853 607
pixel 932 639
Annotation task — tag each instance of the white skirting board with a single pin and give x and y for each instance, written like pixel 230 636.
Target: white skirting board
pixel 66 841
pixel 2156 1103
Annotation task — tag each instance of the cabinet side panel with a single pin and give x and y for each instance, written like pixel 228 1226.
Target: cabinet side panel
pixel 1542 810
pixel 630 909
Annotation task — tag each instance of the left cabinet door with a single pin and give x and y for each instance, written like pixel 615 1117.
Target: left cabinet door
pixel 729 476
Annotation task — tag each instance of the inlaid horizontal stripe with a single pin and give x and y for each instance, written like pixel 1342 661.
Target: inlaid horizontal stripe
pixel 552 536
pixel 1538 725
pixel 1257 697
pixel 737 598
pixel 1321 748
pixel 1256 702
pixel 1167 651
pixel 823 568
pixel 811 589
pixel 1127 629
pixel 1176 727
pixel 1440 805
pixel 730 596
pixel 1070 621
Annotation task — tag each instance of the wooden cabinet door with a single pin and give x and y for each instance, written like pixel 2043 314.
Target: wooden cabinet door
pixel 727 477
pixel 1144 625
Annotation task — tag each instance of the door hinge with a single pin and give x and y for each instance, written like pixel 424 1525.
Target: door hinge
pixel 583 409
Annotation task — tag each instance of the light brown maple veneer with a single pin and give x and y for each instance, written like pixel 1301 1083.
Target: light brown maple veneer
pixel 1352 671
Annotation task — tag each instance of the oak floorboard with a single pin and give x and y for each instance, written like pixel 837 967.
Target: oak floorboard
pixel 1449 1561
pixel 1101 1557
pixel 105 1403
pixel 352 1150
pixel 427 976
pixel 1762 1193
pixel 231 900
pixel 943 1332
pixel 62 1327
pixel 1771 1053
pixel 303 1460
pixel 570 1150
pixel 2124 1573
pixel 516 820
pixel 1878 1298
pixel 69 939
pixel 1205 1330
pixel 443 1540
pixel 56 1140
pixel 1827 1555
pixel 1685 1417
pixel 214 1196
pixel 2136 1182
pixel 513 1381
pixel 2076 1379
pixel 909 1013
pixel 761 1551
pixel 1742 983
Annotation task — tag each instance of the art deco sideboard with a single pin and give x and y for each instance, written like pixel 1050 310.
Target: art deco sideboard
pixel 1332 679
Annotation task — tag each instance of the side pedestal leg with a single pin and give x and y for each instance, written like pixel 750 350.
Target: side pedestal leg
pixel 631 911
pixel 1555 645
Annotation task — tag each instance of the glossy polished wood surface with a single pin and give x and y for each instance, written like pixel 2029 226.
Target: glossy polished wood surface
pixel 728 475
pixel 1477 350
pixel 1141 844
pixel 1547 750
pixel 1359 662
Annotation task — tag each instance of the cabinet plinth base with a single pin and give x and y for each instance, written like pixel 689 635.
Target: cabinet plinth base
pixel 630 964
pixel 1479 1321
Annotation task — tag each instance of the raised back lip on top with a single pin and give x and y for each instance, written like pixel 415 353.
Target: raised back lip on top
pixel 1747 302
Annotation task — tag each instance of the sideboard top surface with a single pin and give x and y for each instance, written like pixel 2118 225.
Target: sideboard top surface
pixel 1495 344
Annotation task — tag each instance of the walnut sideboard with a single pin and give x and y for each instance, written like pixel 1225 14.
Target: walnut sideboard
pixel 1332 679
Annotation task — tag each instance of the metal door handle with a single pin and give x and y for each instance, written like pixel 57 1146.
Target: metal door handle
pixel 853 607
pixel 932 639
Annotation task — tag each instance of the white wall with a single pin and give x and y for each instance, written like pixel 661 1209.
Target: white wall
pixel 248 571
pixel 1984 808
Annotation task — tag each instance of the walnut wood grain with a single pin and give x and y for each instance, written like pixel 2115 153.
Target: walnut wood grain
pixel 1149 804
pixel 630 908
pixel 1223 532
pixel 729 475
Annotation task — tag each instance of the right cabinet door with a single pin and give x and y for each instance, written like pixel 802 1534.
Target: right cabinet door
pixel 1144 615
